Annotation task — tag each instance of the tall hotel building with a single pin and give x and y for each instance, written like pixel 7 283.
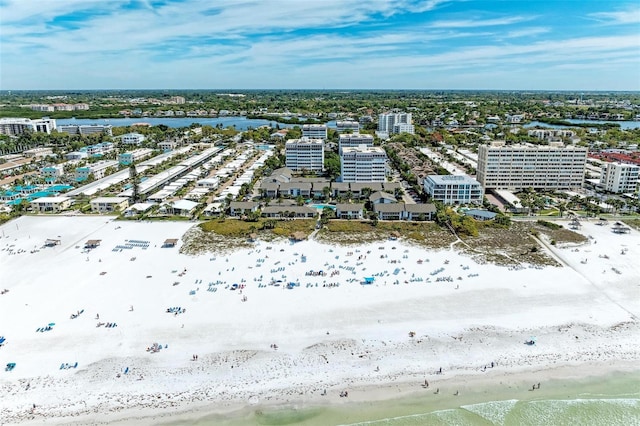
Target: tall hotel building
pixel 354 139
pixel 305 154
pixel 399 122
pixel 516 167
pixel 363 164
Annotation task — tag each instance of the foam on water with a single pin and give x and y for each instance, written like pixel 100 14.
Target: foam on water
pixel 601 412
pixel 494 411
pixel 448 417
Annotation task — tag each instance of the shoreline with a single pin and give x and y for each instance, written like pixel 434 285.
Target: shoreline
pixel 377 341
pixel 378 400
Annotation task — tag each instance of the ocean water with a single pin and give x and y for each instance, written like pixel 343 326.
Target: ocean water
pixel 609 401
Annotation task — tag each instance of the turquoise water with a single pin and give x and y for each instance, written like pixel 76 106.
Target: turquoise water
pixel 241 123
pixel 322 206
pixel 608 401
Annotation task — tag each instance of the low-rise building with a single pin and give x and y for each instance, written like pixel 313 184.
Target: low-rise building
pixel 241 208
pixel 132 138
pixel 131 157
pixel 402 211
pixel 349 211
pixel 379 197
pixel 76 155
pixel 166 146
pixel 86 129
pixel 97 170
pixel 38 152
pixel 51 204
pixel 53 172
pixel 109 204
pixel 482 215
pixel 299 212
pixel 453 189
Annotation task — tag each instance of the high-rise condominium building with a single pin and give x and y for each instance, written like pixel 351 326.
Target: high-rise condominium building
pixel 314 131
pixel 347 126
pixel 620 178
pixel 363 164
pixel 17 126
pixel 305 154
pixel 354 139
pixel 516 167
pixel 398 122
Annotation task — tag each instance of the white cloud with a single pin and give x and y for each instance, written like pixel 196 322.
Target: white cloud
pixel 630 16
pixel 527 32
pixel 474 23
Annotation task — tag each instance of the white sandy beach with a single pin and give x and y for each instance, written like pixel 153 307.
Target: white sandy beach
pixel 331 331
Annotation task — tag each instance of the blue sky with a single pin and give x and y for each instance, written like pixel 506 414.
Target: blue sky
pixel 309 44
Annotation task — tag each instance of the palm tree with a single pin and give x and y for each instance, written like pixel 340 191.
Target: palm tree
pixel 326 192
pixel 562 207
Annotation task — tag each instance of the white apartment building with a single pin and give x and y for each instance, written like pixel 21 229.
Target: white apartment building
pixel 76 155
pixel 354 139
pixel 453 189
pixel 17 126
pixel 347 126
pixel 109 204
pixel 166 146
pixel 620 178
pixel 99 148
pixel 86 129
pixel 50 173
pixel 38 152
pixel 132 138
pixel 314 131
pixel 42 108
pixel 363 164
pixel 398 122
pixel 305 154
pixel 98 170
pixel 516 167
pixel 543 134
pixel 50 204
pixel 131 157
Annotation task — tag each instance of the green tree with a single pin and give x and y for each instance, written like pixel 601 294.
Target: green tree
pixel 332 165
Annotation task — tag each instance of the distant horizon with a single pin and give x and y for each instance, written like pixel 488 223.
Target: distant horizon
pixel 239 90
pixel 470 45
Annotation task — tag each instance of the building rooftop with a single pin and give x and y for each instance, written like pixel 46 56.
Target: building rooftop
pixel 451 179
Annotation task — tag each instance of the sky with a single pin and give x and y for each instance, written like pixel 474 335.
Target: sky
pixel 320 44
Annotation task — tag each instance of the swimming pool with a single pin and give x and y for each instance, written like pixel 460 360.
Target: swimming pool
pixel 322 206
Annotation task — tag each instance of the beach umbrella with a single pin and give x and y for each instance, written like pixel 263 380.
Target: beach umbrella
pixel 51 324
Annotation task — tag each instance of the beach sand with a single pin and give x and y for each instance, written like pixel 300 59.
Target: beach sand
pixel 330 331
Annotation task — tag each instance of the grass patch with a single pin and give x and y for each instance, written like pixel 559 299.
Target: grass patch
pixel 550 225
pixel 230 227
pixel 349 232
pixel 634 223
